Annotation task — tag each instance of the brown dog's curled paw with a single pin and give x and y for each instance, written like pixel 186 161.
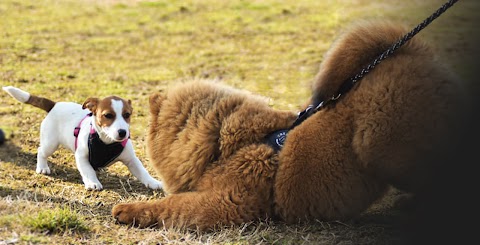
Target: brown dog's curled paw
pixel 137 214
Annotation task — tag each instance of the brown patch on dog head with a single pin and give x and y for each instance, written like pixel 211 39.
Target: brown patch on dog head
pixel 91 103
pixel 105 112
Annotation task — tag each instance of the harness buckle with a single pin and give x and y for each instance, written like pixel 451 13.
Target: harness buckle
pixel 76 131
pixel 277 139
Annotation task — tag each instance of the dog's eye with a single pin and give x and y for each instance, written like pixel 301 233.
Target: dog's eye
pixel 126 115
pixel 109 115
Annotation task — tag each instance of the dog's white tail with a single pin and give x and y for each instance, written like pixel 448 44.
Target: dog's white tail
pixel 25 97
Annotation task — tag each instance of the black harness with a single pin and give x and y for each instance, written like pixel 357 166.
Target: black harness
pixel 101 154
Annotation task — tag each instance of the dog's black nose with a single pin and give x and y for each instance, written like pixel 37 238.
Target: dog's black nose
pixel 122 132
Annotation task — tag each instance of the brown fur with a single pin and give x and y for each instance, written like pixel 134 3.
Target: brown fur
pixel 106 116
pixel 206 141
pixel 40 102
pixel 389 130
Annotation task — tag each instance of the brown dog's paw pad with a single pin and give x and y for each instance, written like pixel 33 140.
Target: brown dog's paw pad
pixel 122 214
pixel 134 214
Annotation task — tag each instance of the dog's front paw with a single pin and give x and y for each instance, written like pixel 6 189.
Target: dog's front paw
pixel 136 214
pixel 154 184
pixel 96 186
pixel 43 170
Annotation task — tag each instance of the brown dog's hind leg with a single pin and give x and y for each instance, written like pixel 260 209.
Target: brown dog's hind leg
pixel 236 191
pixel 203 210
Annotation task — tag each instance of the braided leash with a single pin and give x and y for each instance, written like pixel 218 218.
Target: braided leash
pixel 277 138
pixel 347 85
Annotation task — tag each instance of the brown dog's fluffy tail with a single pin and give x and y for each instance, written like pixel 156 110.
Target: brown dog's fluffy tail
pixel 25 97
pixel 356 48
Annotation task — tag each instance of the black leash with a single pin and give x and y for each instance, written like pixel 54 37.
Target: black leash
pixel 277 138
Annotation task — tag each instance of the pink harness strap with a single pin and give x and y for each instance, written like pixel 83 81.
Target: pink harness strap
pixel 76 131
pixel 124 142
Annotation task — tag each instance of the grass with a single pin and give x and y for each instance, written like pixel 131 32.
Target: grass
pixel 57 220
pixel 70 50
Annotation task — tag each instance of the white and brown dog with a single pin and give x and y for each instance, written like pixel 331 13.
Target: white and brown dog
pixel 97 132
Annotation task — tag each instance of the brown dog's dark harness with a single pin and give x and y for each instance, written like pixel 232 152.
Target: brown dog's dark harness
pixel 99 153
pixel 277 138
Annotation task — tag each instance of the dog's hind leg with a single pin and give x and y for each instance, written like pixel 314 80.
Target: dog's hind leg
pixel 204 210
pixel 240 191
pixel 43 153
pixel 48 145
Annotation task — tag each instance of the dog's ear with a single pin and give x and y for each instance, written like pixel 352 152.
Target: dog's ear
pixel 91 103
pixel 155 101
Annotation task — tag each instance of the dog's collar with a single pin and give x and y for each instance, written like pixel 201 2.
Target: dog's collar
pixel 276 139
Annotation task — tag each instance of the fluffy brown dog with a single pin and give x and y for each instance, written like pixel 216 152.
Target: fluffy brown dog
pixel 390 129
pixel 206 141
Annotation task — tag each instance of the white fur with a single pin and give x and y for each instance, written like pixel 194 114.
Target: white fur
pixel 16 93
pixel 57 129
